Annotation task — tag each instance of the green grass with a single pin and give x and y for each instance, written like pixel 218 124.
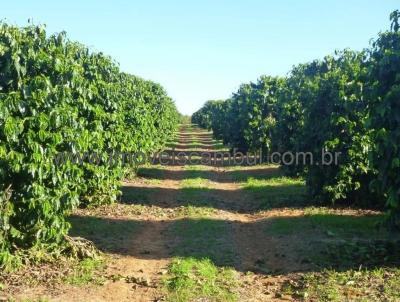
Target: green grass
pixel 195 212
pixel 218 145
pixel 194 144
pixel 86 272
pixel 152 181
pixel 328 222
pixel 191 279
pixel 352 285
pixel 273 182
pixel 197 182
pixel 276 192
pixel 194 168
pixel 344 225
pixel 41 299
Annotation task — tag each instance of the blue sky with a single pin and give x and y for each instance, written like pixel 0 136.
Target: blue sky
pixel 201 50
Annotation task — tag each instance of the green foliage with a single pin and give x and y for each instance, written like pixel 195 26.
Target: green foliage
pixel 204 116
pixel 247 120
pixel 384 95
pixel 57 97
pixel 185 119
pixel 339 109
pixel 296 91
pixel 345 104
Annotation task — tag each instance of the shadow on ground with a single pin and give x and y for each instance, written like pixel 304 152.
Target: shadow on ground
pixel 269 246
pixel 222 175
pixel 237 200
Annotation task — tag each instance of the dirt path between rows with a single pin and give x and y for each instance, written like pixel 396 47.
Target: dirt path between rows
pixel 144 256
pixel 165 208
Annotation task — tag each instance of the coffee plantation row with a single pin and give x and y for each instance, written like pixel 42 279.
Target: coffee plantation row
pixel 348 102
pixel 58 96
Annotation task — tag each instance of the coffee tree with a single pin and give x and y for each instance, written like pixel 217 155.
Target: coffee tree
pixel 345 105
pixel 58 97
pixel 384 96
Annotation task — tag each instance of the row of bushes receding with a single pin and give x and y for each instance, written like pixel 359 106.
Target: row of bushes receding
pixel 348 102
pixel 57 96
